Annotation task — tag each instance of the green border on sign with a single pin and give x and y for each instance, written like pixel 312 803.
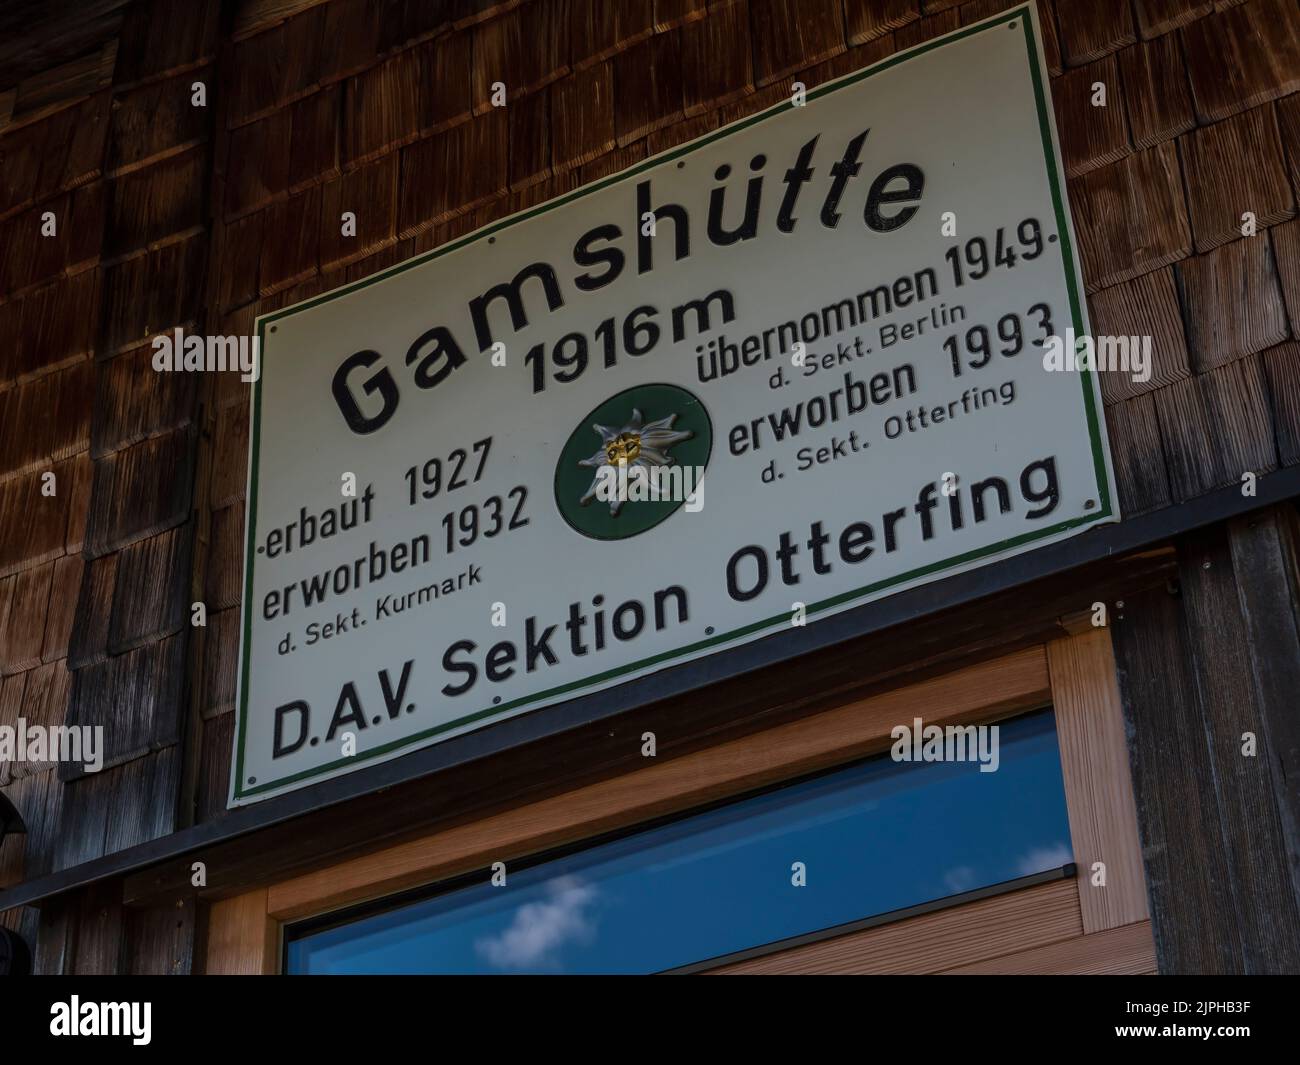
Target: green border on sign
pixel 1104 509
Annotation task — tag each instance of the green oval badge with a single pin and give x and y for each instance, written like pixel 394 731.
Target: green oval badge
pixel 633 461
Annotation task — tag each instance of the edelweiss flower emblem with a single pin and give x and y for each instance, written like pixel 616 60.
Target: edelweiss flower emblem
pixel 634 445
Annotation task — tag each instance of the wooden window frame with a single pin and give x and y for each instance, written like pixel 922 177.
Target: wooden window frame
pixel 1066 926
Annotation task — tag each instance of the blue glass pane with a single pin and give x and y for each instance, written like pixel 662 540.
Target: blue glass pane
pixel 875 837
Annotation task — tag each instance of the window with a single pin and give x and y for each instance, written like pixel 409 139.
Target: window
pixel 874 838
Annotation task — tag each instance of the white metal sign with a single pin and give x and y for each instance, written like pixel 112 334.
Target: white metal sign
pixel 791 367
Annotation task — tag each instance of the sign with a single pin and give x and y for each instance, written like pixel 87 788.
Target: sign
pixel 786 369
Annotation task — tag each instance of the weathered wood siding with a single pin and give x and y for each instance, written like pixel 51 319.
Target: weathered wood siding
pixel 95 578
pixel 1208 667
pixel 172 215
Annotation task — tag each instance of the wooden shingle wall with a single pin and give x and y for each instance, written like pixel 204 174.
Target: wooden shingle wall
pixel 180 216
pixel 97 450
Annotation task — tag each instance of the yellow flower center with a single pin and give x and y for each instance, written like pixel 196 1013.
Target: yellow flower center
pixel 623 449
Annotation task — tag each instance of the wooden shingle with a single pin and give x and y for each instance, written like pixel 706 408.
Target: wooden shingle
pixel 716 59
pixel 530 140
pixel 230 474
pixel 240 254
pixel 21 153
pixel 647 87
pixel 314 141
pixel 23 260
pixel 56 86
pixel 582 117
pixel 53 154
pixel 84 244
pixel 1145 306
pixel 671 136
pixel 45 703
pixel 290 241
pixel 394 253
pixel 213 784
pixel 153 120
pixel 382 108
pixel 789 35
pixel 41 805
pixel 1157 17
pixel 230 389
pixel 972 11
pixel 1234 304
pixel 1091 135
pixel 34 525
pixel 135 307
pixel 1051 36
pixel 617 161
pixel 446 82
pixel 48 328
pixel 1156 94
pixel 161 202
pixel 135 401
pixel 257 162
pixel 524 50
pixel 28 257
pixel 866 20
pixel 83 826
pixel 437 183
pixel 24 604
pixel 405 21
pixel 1215 427
pixel 88 641
pixel 221 666
pixel 1233 168
pixel 1282 368
pixel 159 36
pixel 74 152
pixel 12 689
pixel 1288 120
pixel 1286 255
pixel 925 28
pixel 45 420
pixel 65 587
pixel 772 96
pixel 1130 217
pixel 486 214
pixel 1243 56
pixel 276 66
pixel 147 791
pixel 349 37
pixel 150 600
pixel 669 14
pixel 599 29
pixel 472 12
pixel 369 193
pixel 76 477
pixel 7 588
pixel 863 55
pixel 1237 399
pixel 223 586
pixel 1091 29
pixel 135 697
pixel 140 491
pixel 1138 455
